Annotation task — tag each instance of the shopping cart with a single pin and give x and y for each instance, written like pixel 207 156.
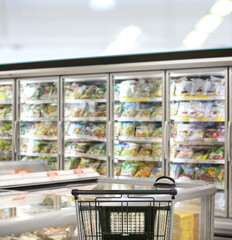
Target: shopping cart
pixel 125 214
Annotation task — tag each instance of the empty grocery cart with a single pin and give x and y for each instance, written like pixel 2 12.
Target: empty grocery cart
pixel 125 214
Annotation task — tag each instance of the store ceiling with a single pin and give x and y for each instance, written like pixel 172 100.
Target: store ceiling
pixel 42 29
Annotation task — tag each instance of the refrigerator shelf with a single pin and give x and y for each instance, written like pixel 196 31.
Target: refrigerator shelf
pixel 38 119
pixel 150 159
pixel 39 154
pixel 157 99
pixel 48 101
pixel 139 119
pixel 78 119
pixel 5 119
pixel 6 137
pixel 205 141
pixel 98 157
pixel 6 103
pixel 179 119
pixel 35 137
pixel 200 98
pixel 197 161
pixel 85 100
pixel 85 138
pixel 139 139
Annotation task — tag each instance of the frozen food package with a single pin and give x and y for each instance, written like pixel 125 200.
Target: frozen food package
pixel 183 87
pixel 173 109
pixel 79 148
pixel 5 128
pixel 103 150
pixel 78 110
pixel 201 154
pixel 117 129
pixel 144 170
pixel 47 91
pixel 99 91
pixel 118 149
pixel 156 172
pixel 175 170
pixel 6 145
pixel 144 109
pixel 30 92
pixel 6 111
pixel 84 163
pixel 79 92
pixel 49 111
pixel 173 88
pixel 89 110
pixel 197 132
pixel 129 110
pixel 96 148
pixel 187 170
pixel 157 151
pixel 199 109
pixel 70 89
pixel 102 169
pixel 173 133
pixel 127 88
pixel 199 86
pixel 76 129
pixel 31 111
pixel 127 129
pixel 117 110
pixel 215 132
pixel 217 110
pixel 157 112
pixel 67 147
pixel 216 154
pixel 214 173
pixel 128 169
pixel 144 130
pixel 46 147
pixel 87 93
pixel 129 149
pixel 6 93
pixel 184 131
pixel 183 111
pixel 157 133
pixel 173 151
pixel 99 130
pixel 100 110
pixel 155 88
pixel 145 150
pixel 217 87
pixel 142 89
pixel 185 153
pixel 89 128
pixel 117 169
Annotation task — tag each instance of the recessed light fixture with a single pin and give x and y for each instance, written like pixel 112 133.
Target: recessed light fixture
pixel 102 5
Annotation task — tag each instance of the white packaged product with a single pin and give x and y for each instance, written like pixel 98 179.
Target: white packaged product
pixel 199 86
pixel 184 131
pixel 142 89
pixel 199 109
pixel 183 111
pixel 217 87
pixel 217 110
pixel 127 89
pixel 183 87
pixel 197 133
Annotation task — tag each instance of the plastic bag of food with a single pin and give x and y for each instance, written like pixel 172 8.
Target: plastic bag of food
pixel 127 88
pixel 157 151
pixel 173 88
pixel 116 129
pixel 95 149
pixel 197 132
pixel 117 110
pixel 199 86
pixel 99 130
pixel 78 91
pixel 30 92
pixel 187 170
pixel 49 111
pixel 143 130
pixel 79 148
pixel 84 163
pixel 46 90
pixel 157 133
pixel 155 88
pixel 216 86
pixel 129 149
pixel 175 170
pixel 145 150
pixel 129 110
pixel 144 109
pixel 71 91
pixel 156 172
pixel 201 154
pixel 118 149
pixel 99 91
pixel 217 110
pixel 87 93
pixel 88 131
pixel 185 153
pixel 127 129
pixel 157 112
pixel 142 89
pixel 216 154
pixel 183 111
pixel 89 110
pixel 184 131
pixel 183 87
pixel 76 129
pixel 117 169
pixel 128 169
pixel 174 109
pixel 6 93
pixel 144 170
pixel 216 132
pixel 199 109
pixel 102 169
pixel 100 110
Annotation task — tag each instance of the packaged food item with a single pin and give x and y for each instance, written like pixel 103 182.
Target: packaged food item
pixel 45 147
pixel 99 130
pixel 47 91
pixel 144 109
pixel 31 111
pixel 144 130
pixel 217 132
pixel 6 111
pixel 127 129
pixel 145 150
pixel 76 129
pixel 6 93
pixel 5 128
pixel 117 129
pixel 78 110
pixel 142 89
pixel 117 169
pixel 70 90
pixel 157 133
pixel 100 110
pixel 84 163
pixel 79 91
pixel 79 148
pixel 173 151
pixel 102 169
pixel 6 145
pixel 103 150
pixel 129 149
pixel 173 109
pixel 156 172
pixel 187 170
pixel 127 88
pixel 173 88
pixel 99 91
pixel 128 169
pixel 157 112
pixel 175 170
pixel 95 148
pixel 217 110
pixel 155 88
pixel 89 110
pixel 87 94
pixel 144 170
pixel 217 87
pixel 174 128
pixel 184 131
pixel 185 153
pixel 129 110
pixel 216 154
pixel 89 128
pixel 117 110
pixel 49 111
pixel 201 154
pixel 197 132
pixel 199 109
pixel 157 151
pixel 199 86
pixel 183 87
pixel 214 173
pixel 183 111
pixel 67 147
pixel 30 92
pixel 118 149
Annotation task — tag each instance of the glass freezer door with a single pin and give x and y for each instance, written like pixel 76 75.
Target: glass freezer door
pixel 138 121
pixel 37 117
pixel 85 118
pixel 197 113
pixel 6 120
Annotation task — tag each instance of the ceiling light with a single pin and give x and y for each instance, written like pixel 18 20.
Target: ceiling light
pixel 194 39
pixel 222 8
pixel 102 5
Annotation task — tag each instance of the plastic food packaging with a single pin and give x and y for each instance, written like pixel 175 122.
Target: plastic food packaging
pixel 144 110
pixel 157 133
pixel 89 110
pixel 184 131
pixel 183 87
pixel 128 169
pixel 155 88
pixel 174 107
pixel 117 110
pixel 201 154
pixel 145 150
pixel 102 168
pixel 187 170
pixel 199 109
pixel 156 172
pixel 143 130
pixel 183 111
pixel 175 170
pixel 49 111
pixel 99 130
pixel 157 151
pixel 117 129
pixel 185 153
pixel 129 149
pixel 5 93
pixel 217 87
pixel 96 149
pixel 199 86
pixel 217 110
pixel 142 89
pixel 117 169
pixel 144 170
pixel 100 110
pixel 157 112
pixel 117 149
pixel 99 91
pixel 127 129
pixel 127 88
pixel 129 110
pixel 197 133
pixel 216 154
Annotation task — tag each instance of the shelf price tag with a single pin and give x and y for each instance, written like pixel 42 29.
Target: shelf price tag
pixel 23 171
pixel 52 174
pixel 78 171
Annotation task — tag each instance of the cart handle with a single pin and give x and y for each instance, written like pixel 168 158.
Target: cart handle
pixel 172 192
pixel 164 182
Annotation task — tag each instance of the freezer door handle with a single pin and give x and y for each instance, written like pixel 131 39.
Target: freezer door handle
pixel 15 136
pixel 166 140
pixel 60 138
pixel 108 138
pixel 229 141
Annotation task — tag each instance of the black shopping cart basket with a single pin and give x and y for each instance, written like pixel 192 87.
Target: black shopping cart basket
pixel 125 214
